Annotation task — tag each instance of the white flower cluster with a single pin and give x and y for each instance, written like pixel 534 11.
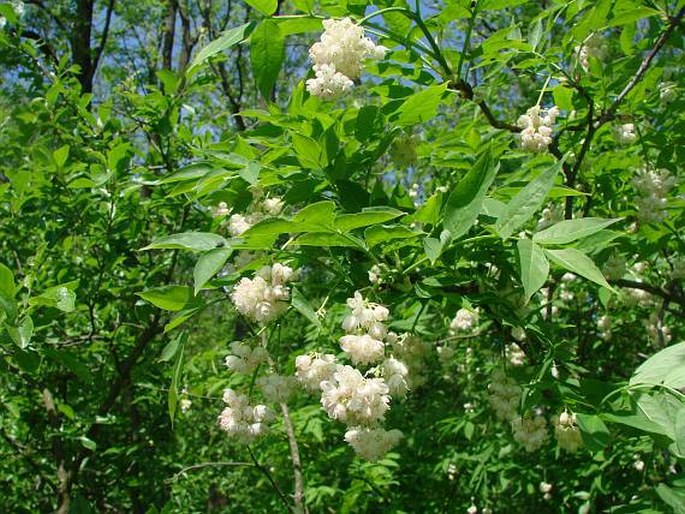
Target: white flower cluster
pixel 314 369
pixel 653 187
pixel 593 46
pixel 530 432
pixel 505 395
pixel 372 443
pixel 566 432
pixel 465 320
pixel 277 388
pixel 265 296
pixel 668 91
pixel 625 134
pixel 656 329
pixel 261 208
pixel 412 352
pixel 537 123
pixel 546 490
pixel 339 57
pixel 514 354
pixel 244 358
pixel 604 327
pixel 365 331
pixel 395 373
pixel 352 399
pixel 241 420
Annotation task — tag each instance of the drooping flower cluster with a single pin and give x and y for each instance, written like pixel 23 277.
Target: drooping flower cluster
pixel 352 399
pixel 515 355
pixel 546 490
pixel 566 432
pixel 529 431
pixel 339 57
pixel 372 443
pixel 625 134
pixel 265 296
pixel 465 320
pixel 260 209
pixel 314 369
pixel 277 388
pixel 244 358
pixel 241 420
pixel 593 46
pixel 653 187
pixel 505 395
pixel 537 123
pixel 365 331
pixel 412 351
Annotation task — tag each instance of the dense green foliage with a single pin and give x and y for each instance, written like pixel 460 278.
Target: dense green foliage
pixel 127 158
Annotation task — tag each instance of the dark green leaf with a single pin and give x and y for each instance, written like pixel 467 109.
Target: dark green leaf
pixel 534 266
pixel 208 265
pixel 267 51
pixel 196 241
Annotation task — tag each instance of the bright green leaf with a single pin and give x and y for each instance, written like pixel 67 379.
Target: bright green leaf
pixel 534 267
pixel 195 241
pixel 579 263
pixel 267 51
pixel 208 265
pixel 567 231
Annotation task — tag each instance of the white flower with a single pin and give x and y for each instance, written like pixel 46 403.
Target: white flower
pixel 550 215
pixel 362 349
pixel 372 443
pixel 639 465
pixel 537 128
pixel 464 320
pixel 312 370
pixel 566 432
pixel 505 395
pixel 472 510
pixel 395 373
pixel 354 400
pixel 339 57
pixel 277 388
pixel 241 420
pixel 273 206
pixel 244 358
pixel 3 22
pixel 19 8
pixel 185 405
pixel 515 354
pixel 222 210
pixel 237 224
pixel 530 432
pixel 375 274
pixel 545 487
pixel 668 91
pixel 365 316
pixel 265 296
pixel 593 46
pixel 653 187
pixel 625 134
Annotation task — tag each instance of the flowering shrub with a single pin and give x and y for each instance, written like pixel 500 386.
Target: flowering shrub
pixel 424 300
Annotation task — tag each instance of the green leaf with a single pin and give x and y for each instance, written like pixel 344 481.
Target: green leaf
pixel 303 306
pixel 250 173
pixel 434 247
pixel 368 216
pixel 534 266
pixel 61 297
pixel 595 433
pixel 667 367
pixel 176 378
pixel 195 241
pixel 568 231
pixel 224 42
pixel 671 498
pixel 208 265
pixel 180 318
pixel 22 333
pixel 328 239
pixel 465 202
pixel 87 443
pixel 7 292
pixel 579 263
pixel 307 150
pixel 316 216
pixel 170 298
pixel 421 106
pixel 60 156
pixel 171 348
pixel 266 7
pixel 267 51
pixel 384 233
pixel 522 207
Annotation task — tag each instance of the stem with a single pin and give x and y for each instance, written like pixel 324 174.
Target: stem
pixel 298 497
pixel 266 473
pixel 380 12
pixel 467 40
